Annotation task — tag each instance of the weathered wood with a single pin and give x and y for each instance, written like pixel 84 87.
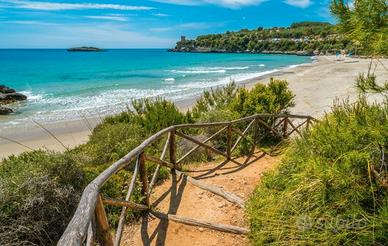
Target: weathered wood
pixel 285 127
pixel 294 128
pixel 103 230
pixel 231 197
pixel 123 203
pixel 155 175
pixel 144 179
pixel 90 239
pixel 200 143
pixel 225 123
pixel 242 135
pixel 297 127
pixel 268 126
pixel 278 124
pixel 76 230
pixel 198 146
pixel 200 223
pixel 201 125
pixel 158 161
pixel 229 143
pixel 173 148
pixel 131 187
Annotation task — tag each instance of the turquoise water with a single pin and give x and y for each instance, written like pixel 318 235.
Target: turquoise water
pixel 65 85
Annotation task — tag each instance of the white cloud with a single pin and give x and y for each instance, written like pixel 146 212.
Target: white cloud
pixel 185 26
pixel 224 3
pixel 107 17
pixel 299 3
pixel 161 29
pixel 28 22
pixel 53 6
pixel 70 35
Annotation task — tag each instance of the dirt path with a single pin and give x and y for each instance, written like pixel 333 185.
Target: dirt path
pixel 177 196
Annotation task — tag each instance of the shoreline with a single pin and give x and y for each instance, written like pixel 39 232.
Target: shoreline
pixel 316 85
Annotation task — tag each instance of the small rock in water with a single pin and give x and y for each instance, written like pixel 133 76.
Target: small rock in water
pixel 5 111
pixel 4 89
pixel 13 97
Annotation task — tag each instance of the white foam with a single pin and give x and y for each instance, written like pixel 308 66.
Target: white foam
pixel 169 81
pixel 199 71
pixel 31 96
pixel 207 70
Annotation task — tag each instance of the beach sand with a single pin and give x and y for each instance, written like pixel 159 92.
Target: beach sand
pixel 316 86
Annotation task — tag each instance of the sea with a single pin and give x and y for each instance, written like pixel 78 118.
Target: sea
pixel 64 86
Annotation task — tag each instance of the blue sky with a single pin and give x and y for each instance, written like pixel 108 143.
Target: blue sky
pixel 141 24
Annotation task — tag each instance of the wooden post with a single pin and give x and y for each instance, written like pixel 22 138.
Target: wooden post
pixel 103 230
pixel 229 143
pixel 144 179
pixel 131 187
pixel 285 127
pixel 308 124
pixel 172 149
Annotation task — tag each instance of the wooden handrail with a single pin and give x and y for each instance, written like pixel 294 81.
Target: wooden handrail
pixel 77 230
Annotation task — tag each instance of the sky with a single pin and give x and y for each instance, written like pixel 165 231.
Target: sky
pixel 141 23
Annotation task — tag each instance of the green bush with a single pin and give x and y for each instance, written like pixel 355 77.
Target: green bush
pixel 110 142
pixel 39 192
pixel 215 99
pixel 156 114
pixel 322 193
pixel 273 98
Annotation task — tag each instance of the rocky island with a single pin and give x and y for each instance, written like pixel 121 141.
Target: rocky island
pixel 8 96
pixel 84 49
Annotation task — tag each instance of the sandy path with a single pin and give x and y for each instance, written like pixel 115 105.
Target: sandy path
pixel 187 200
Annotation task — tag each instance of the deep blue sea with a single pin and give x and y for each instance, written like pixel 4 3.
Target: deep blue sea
pixel 65 85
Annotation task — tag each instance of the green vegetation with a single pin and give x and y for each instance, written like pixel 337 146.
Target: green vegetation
pixel 304 37
pixel 39 190
pixel 365 23
pixel 322 192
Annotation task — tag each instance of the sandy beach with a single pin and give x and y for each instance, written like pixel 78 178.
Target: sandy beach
pixel 315 85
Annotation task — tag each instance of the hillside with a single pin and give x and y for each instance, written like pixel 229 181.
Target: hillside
pixel 302 38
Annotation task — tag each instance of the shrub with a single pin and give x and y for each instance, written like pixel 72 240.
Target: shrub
pixel 39 192
pixel 322 192
pixel 155 114
pixel 109 142
pixel 273 98
pixel 215 99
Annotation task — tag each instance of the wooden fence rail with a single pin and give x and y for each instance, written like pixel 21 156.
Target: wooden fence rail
pixel 90 223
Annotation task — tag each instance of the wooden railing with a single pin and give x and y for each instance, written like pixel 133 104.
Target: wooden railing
pixel 90 221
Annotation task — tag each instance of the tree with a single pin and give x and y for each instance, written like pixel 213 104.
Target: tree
pixel 365 22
